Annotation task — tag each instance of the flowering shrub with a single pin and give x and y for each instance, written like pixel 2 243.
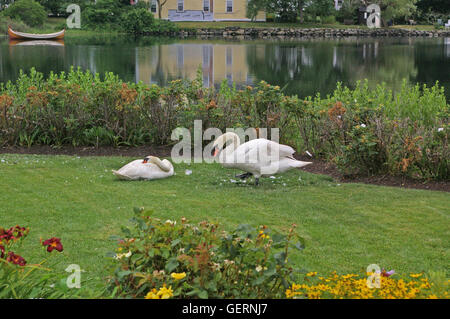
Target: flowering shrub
pixel 164 259
pixel 361 130
pixel 354 286
pixel 367 131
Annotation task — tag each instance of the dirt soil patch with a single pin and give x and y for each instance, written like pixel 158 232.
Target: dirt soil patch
pixel 318 166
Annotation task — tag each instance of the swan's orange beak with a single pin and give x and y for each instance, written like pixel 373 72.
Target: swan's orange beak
pixel 145 161
pixel 216 151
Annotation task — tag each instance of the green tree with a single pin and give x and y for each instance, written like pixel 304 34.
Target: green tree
pixel 28 11
pixel 440 6
pixel 321 8
pixel 394 9
pixel 349 10
pixel 137 21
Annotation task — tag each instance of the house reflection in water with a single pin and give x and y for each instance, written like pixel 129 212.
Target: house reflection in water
pixel 163 63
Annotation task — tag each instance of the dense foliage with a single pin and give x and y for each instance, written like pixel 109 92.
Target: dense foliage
pixel 121 16
pixel 163 259
pixel 362 130
pixel 323 10
pixel 28 11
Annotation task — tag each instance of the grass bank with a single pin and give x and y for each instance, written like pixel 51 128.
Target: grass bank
pixel 346 227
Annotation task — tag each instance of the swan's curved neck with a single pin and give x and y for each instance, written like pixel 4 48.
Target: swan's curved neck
pixel 230 136
pixel 164 166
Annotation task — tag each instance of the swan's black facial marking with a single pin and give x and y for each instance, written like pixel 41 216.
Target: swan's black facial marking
pixel 215 151
pixel 145 161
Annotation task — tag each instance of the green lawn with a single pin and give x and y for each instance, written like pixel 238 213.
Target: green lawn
pixel 346 226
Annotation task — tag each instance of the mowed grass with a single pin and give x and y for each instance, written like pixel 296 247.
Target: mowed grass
pixel 346 226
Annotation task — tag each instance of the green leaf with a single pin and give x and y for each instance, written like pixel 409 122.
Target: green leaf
pixel 203 294
pixel 171 265
pixel 138 210
pixel 280 258
pixel 123 273
pixel 175 242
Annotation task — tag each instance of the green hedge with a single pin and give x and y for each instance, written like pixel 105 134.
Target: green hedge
pixel 361 130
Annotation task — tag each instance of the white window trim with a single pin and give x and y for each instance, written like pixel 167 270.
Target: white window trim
pixel 178 5
pixel 154 3
pixel 209 6
pixel 226 6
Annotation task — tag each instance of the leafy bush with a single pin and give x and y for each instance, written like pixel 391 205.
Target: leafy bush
pixel 329 20
pixel 16 25
pixel 137 21
pixel 28 11
pixel 163 259
pixel 372 131
pixel 104 14
pixel 120 16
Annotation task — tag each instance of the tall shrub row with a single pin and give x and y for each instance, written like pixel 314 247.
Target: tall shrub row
pixel 361 130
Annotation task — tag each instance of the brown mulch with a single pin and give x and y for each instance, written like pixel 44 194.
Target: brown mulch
pixel 322 167
pixel 318 166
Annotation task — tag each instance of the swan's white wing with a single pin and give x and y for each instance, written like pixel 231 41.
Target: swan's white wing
pixel 132 170
pixel 283 150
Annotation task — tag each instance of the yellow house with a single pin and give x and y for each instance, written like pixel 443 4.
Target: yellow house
pixel 203 10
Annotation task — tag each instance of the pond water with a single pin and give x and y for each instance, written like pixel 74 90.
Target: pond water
pixel 302 67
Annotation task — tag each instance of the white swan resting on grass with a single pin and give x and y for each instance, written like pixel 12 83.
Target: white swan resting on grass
pixel 149 168
pixel 258 157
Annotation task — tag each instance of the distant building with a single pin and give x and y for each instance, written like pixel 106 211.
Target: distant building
pixel 338 4
pixel 204 10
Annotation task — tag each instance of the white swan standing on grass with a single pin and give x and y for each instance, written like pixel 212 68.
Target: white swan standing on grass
pixel 149 168
pixel 258 157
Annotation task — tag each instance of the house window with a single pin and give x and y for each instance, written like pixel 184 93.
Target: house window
pixel 229 5
pixel 153 6
pixel 180 6
pixel 206 5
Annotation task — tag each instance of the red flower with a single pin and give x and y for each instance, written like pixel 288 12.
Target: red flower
pixel 15 259
pixel 13 234
pixel 53 243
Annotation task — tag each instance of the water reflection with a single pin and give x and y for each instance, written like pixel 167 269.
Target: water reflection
pixel 302 67
pixel 163 63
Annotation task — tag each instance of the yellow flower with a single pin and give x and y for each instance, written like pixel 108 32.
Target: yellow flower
pixel 152 294
pixel 165 293
pixel 311 274
pixel 179 276
pixel 262 235
pixel 415 275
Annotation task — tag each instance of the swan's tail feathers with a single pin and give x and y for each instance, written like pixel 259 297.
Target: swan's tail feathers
pixel 121 176
pixel 302 164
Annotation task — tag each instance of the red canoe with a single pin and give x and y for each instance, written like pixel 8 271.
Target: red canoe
pixel 32 36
